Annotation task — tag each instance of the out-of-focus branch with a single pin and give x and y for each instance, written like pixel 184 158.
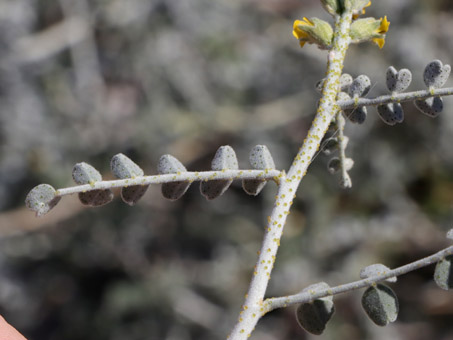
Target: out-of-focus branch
pixel 48 42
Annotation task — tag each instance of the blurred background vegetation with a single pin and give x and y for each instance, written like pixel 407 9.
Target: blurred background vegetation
pixel 83 80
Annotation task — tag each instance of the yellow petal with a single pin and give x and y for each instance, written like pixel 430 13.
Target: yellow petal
pixel 355 16
pixel 367 5
pixel 308 22
pixel 379 41
pixel 384 27
pixel 297 32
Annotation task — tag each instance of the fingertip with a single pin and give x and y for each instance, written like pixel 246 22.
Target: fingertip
pixel 8 332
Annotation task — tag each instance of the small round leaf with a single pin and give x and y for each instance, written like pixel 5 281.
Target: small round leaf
pixel 443 274
pixel 431 106
pixel 398 81
pixel 224 159
pixel 356 115
pixel 391 113
pixel 380 304
pixel 376 270
pixel 96 198
pixel 360 86
pixel 170 165
pixel 260 159
pixel 84 173
pixel 41 199
pixel 313 316
pixel 123 167
pixel 436 74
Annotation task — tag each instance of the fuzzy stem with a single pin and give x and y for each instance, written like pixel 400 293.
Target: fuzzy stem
pixel 395 98
pixel 253 308
pixel 284 301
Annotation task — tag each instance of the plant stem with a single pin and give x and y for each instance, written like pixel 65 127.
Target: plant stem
pixel 253 308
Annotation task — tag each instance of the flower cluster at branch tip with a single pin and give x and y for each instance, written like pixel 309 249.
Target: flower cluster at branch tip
pixel 320 32
pixel 313 31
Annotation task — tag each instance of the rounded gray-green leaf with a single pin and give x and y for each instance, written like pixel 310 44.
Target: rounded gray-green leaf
pixel 253 186
pixel 443 275
pixel 356 115
pixel 41 199
pixel 313 316
pixel 430 106
pixel 398 81
pixel 376 270
pixel 123 167
pixel 330 145
pixel 360 86
pixel 334 164
pixel 84 173
pixel 96 198
pixel 391 113
pixel 260 159
pixel 215 188
pixel 170 165
pixel 131 195
pixel 436 74
pixel 225 159
pixel 380 304
pixel 345 81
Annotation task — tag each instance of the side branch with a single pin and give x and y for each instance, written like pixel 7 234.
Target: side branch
pixel 285 301
pixel 395 98
pixel 170 178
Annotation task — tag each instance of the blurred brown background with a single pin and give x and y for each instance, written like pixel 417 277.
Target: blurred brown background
pixel 83 80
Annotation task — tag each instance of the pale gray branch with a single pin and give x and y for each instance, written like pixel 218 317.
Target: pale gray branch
pixel 284 301
pixel 169 178
pixel 395 98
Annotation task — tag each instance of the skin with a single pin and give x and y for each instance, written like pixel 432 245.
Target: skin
pixel 8 332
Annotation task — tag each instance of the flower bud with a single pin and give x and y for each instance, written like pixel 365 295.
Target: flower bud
pixel 313 31
pixel 331 6
pixel 357 6
pixel 369 29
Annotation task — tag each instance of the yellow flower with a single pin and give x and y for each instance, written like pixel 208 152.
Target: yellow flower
pixel 313 31
pixel 383 28
pixel 299 33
